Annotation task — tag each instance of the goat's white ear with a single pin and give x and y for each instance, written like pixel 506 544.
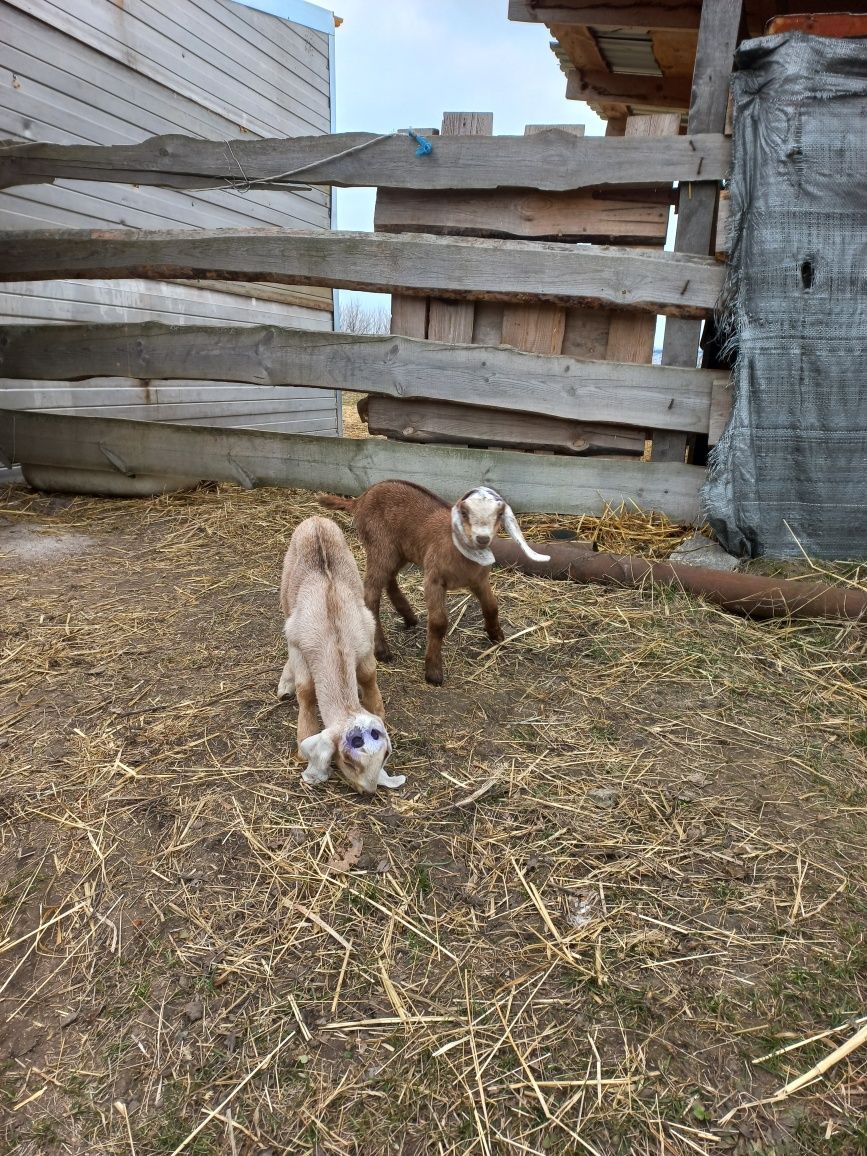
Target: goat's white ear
pixel 514 531
pixel 390 781
pixel 319 751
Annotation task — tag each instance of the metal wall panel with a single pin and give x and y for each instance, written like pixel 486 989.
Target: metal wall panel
pixel 98 72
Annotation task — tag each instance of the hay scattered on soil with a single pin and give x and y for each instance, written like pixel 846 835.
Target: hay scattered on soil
pixel 623 884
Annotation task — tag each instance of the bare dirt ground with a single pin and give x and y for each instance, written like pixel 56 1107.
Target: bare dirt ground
pixel 621 894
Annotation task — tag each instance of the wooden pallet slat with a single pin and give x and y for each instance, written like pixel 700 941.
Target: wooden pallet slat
pixel 443 422
pixel 415 264
pixel 717 37
pixel 344 465
pixel 395 366
pixel 553 160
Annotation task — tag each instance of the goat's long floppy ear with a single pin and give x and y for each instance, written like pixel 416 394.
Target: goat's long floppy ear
pixel 514 530
pixel 390 781
pixel 318 750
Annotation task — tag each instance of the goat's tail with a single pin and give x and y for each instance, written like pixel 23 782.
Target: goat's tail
pixel 334 502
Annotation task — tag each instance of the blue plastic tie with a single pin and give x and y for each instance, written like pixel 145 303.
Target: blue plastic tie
pixel 425 148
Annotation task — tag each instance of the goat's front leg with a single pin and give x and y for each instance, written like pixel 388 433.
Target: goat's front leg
pixel 437 625
pixel 368 689
pixel 308 717
pixel 286 685
pixel 373 587
pixel 490 609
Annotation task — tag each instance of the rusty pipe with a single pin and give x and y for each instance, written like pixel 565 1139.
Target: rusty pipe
pixel 750 595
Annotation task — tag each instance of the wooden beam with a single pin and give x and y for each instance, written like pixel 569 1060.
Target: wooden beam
pixel 453 320
pixel 411 263
pixel 613 14
pixel 717 38
pixel 655 92
pixel 600 218
pixel 437 421
pixel 396 366
pixel 554 160
pixel 631 336
pixel 530 482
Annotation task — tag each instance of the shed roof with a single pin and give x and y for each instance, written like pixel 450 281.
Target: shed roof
pixel 637 56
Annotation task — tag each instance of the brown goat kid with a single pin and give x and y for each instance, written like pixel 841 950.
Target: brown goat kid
pixel 401 523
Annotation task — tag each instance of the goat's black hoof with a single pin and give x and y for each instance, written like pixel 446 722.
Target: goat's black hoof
pixel 496 636
pixel 433 677
pixel 410 623
pixel 383 655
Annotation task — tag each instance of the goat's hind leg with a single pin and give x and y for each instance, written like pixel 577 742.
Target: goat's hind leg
pixel 374 583
pixel 399 601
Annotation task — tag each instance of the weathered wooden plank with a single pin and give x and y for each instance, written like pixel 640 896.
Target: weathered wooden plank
pixel 437 421
pixel 572 216
pixel 631 336
pixel 586 333
pixel 613 14
pixel 721 235
pixel 720 409
pixel 717 37
pixel 409 316
pixel 467 124
pixel 450 321
pixel 304 296
pixel 412 263
pixel 530 482
pixel 534 328
pixel 488 323
pixel 123 393
pixel 593 391
pixel 653 91
pixel 577 129
pixel 546 160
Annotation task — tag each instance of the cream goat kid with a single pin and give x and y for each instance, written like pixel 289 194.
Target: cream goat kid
pixel 331 666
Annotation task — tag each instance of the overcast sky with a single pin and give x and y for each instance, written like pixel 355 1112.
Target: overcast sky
pixel 404 63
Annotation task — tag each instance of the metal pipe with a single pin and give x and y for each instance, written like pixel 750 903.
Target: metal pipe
pixel 750 595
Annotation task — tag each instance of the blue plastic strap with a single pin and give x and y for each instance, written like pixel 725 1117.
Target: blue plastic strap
pixel 424 146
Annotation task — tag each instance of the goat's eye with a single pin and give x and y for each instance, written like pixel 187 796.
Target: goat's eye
pixel 375 735
pixel 356 741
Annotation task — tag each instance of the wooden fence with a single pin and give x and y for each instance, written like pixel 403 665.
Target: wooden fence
pixel 505 333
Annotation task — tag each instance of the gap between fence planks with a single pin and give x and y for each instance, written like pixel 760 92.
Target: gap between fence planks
pixel 348 466
pixel 551 160
pixel 408 263
pixel 400 367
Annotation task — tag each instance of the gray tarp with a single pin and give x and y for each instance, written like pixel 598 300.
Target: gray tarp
pixel 791 466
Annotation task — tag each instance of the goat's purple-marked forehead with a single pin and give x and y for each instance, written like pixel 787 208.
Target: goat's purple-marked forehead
pixel 358 737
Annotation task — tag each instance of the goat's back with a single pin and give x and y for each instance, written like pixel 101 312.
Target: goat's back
pixel 317 552
pixel 401 516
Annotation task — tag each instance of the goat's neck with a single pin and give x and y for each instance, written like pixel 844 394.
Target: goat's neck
pixel 333 670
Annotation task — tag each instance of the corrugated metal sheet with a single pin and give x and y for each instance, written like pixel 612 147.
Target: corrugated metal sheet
pixel 107 73
pixel 627 51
